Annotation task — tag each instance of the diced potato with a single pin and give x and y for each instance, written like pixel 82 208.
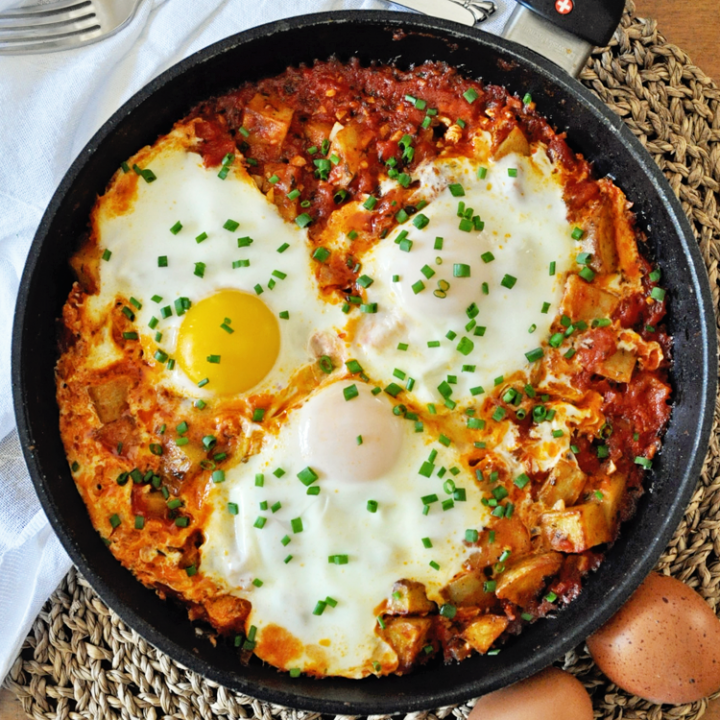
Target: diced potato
pixel 515 142
pixel 600 237
pixel 612 489
pixel 316 131
pixel 119 433
pixel 484 631
pixel 576 529
pixel 288 179
pixel 228 613
pixel 349 145
pixel 466 590
pixel 110 398
pixel 565 482
pixel 510 534
pixel 407 636
pixel 409 598
pixel 618 367
pixel 584 301
pixel 85 264
pixel 625 242
pixel 521 582
pixel 267 121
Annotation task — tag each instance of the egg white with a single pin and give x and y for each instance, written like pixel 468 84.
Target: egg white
pixel 525 229
pixel 382 547
pixel 187 192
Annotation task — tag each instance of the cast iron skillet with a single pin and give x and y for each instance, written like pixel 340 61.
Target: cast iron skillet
pixel 405 39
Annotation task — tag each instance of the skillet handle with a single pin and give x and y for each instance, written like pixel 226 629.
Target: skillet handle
pixel 591 20
pixel 564 31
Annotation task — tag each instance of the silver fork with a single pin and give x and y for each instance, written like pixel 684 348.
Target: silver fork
pixel 481 9
pixel 62 25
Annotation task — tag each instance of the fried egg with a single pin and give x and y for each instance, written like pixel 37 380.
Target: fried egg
pixel 471 283
pixel 317 527
pixel 219 285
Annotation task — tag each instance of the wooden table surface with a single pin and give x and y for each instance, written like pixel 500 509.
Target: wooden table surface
pixel 694 26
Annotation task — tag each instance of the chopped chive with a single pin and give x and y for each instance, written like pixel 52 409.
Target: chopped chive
pixel 297 525
pixel 465 346
pixel 512 172
pixel 307 476
pixel 370 203
pixel 303 220
pixel 508 281
pixel 658 294
pixel 577 234
pixel 260 522
pixel 545 308
pixel 461 270
pixel 471 95
pixel 372 506
pixel 434 565
pixel 326 365
pixel 421 221
pixel 244 242
pixel 258 414
pixel 418 287
pixel 283 248
pixel 321 254
pixel 534 355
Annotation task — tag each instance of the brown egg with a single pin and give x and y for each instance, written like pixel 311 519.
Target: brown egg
pixel 663 644
pixel 550 695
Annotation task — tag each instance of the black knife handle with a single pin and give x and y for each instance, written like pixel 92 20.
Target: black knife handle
pixel 591 20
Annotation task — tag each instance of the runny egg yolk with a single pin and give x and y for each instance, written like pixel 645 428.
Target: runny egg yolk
pixel 231 339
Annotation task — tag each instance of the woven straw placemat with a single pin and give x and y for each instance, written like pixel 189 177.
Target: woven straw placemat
pixel 81 661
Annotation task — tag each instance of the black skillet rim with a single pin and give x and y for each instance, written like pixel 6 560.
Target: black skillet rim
pixel 381 703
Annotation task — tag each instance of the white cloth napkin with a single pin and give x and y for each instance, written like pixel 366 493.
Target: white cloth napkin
pixel 50 106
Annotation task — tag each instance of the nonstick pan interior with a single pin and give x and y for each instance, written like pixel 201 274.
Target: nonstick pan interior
pixel 372 37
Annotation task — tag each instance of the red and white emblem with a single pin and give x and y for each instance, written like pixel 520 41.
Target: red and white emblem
pixel 564 6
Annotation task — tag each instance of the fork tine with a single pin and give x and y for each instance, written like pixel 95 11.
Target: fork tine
pixel 37 11
pixel 46 23
pixel 71 40
pixel 48 33
pixel 62 24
